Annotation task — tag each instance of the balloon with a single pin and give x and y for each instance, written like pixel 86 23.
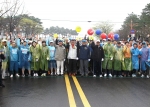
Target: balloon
pixel 55 35
pixel 111 35
pixel 116 36
pixel 103 36
pixel 90 31
pixel 78 29
pixel 98 32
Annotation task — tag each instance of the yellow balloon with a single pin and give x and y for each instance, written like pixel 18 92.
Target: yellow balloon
pixel 55 35
pixel 78 29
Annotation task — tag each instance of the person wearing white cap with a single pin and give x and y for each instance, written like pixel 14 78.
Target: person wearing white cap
pixel 6 54
pixel 108 61
pixel 97 56
pixel 72 56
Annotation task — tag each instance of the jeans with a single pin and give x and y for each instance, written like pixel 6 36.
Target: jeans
pixel 83 64
pixel 13 66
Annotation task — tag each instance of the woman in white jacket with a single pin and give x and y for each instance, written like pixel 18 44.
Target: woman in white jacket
pixel 72 56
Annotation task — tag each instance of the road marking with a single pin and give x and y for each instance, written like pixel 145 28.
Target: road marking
pixel 81 93
pixel 70 93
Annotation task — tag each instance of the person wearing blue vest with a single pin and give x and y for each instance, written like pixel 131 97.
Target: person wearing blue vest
pixel 52 61
pixel 135 59
pixel 14 58
pixel 25 58
pixel 84 56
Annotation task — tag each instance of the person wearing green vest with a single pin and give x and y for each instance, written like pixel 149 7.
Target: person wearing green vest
pixel 35 58
pixel 107 64
pixel 44 58
pixel 118 59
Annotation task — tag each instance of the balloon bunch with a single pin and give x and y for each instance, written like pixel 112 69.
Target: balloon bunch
pixel 98 32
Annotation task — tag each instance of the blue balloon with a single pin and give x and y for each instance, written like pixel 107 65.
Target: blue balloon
pixel 98 32
pixel 116 37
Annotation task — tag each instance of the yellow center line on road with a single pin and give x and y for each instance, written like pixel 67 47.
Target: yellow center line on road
pixel 70 93
pixel 81 93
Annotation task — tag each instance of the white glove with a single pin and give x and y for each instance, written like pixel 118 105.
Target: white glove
pixel 37 60
pixel 89 59
pixel 111 59
pixel 64 59
pixel 102 59
pixel 77 58
pixel 47 58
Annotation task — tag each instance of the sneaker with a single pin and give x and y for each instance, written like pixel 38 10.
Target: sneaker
pixel 29 75
pixel 11 76
pixel 1 85
pixel 100 76
pixel 23 75
pixel 34 74
pixel 44 74
pixel 142 76
pixel 120 76
pixel 3 78
pixel 110 75
pixel 74 74
pixel 41 75
pixel 147 76
pixel 105 75
pixel 133 75
pixel 70 74
pixel 17 75
pixel 94 75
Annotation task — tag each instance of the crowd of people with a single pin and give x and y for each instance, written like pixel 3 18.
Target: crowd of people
pixel 102 58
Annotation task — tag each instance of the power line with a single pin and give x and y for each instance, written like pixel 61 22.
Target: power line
pixel 76 21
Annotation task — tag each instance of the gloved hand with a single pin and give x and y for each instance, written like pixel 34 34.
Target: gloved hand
pixel 47 58
pixel 37 60
pixel 89 59
pixel 111 59
pixel 102 59
pixel 77 58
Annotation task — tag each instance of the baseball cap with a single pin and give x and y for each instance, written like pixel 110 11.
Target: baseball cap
pixel 98 41
pixel 83 40
pixel 51 41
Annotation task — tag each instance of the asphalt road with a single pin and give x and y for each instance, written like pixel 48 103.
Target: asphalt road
pixel 75 92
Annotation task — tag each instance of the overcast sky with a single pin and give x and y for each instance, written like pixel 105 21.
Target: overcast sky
pixel 83 10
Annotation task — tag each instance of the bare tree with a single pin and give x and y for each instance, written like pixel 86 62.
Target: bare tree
pixel 15 8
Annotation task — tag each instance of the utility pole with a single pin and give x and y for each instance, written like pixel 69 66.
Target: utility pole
pixel 131 24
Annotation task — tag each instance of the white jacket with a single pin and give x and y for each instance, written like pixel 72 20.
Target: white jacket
pixel 72 54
